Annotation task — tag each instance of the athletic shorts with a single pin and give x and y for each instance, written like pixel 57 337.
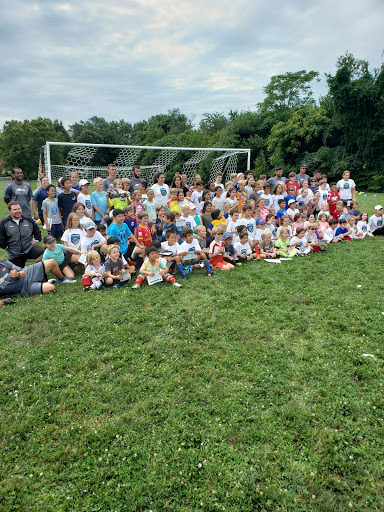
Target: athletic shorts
pixel 66 261
pixel 33 280
pixel 56 231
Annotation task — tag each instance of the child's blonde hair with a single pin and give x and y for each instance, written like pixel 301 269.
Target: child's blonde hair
pixel 98 180
pixel 111 247
pixel 116 181
pixel 199 228
pixel 218 230
pixel 283 230
pixel 70 219
pixel 265 233
pixel 184 207
pixel 90 255
pixel 126 180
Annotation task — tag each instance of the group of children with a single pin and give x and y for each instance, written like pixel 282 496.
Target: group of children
pixel 216 228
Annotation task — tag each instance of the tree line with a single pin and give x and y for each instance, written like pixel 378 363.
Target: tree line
pixel 343 130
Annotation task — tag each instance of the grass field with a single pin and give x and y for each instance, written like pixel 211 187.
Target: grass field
pixel 250 392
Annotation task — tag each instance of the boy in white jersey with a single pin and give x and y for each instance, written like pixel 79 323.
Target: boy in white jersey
pixel 242 248
pixel 169 250
pixel 267 196
pixel 190 252
pixel 85 198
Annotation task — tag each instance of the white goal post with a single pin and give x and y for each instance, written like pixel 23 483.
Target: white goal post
pixel 90 160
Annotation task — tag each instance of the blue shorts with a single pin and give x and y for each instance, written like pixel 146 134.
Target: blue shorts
pixel 56 230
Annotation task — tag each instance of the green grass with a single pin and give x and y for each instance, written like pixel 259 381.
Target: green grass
pixel 247 392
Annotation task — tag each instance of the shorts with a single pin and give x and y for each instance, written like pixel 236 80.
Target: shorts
pixel 34 252
pixel 33 280
pixel 56 230
pixel 191 262
pixel 66 261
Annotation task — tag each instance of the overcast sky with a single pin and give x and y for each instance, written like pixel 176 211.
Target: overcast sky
pixel 125 59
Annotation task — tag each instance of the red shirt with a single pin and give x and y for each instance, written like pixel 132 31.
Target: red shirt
pixel 295 184
pixel 332 198
pixel 336 214
pixel 144 235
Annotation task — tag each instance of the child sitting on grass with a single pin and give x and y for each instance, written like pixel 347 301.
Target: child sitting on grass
pixel 152 266
pixel 216 250
pixel 190 252
pixel 115 274
pixel 62 255
pixel 94 272
pixel 169 250
pixel 266 246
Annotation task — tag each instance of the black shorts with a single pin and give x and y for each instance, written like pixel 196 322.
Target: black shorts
pixel 34 252
pixel 66 260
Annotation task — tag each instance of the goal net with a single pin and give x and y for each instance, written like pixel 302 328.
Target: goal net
pixel 58 159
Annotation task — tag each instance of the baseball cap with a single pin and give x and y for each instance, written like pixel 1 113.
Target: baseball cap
pixel 303 166
pixel 83 182
pixel 291 201
pixel 378 207
pixel 227 234
pixel 260 221
pixel 49 239
pixel 89 224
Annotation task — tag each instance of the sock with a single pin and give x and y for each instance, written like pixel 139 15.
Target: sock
pixel 93 286
pixel 182 271
pixel 206 263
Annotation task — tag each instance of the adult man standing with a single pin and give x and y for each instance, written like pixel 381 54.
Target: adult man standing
pixel 278 178
pixel 18 235
pixel 108 182
pixel 136 178
pixel 302 173
pixel 19 191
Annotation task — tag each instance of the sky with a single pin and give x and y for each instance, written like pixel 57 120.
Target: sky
pixel 125 59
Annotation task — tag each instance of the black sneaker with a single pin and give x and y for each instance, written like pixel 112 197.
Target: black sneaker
pixel 8 301
pixel 87 288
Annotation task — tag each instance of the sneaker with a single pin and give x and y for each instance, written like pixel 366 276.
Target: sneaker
pixel 117 285
pixel 135 287
pixel 211 274
pixel 178 285
pixel 8 301
pixel 51 281
pixel 188 269
pixel 87 288
pixel 185 278
pixel 65 280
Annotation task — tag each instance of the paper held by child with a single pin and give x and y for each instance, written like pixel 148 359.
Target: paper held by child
pixel 157 278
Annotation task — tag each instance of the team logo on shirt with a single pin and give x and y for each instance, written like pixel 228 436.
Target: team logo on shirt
pixel 192 249
pixel 95 242
pixel 188 224
pixel 379 223
pixel 250 228
pixel 266 203
pixel 54 210
pixel 325 196
pixel 88 204
pixel 346 185
pixel 75 239
pixel 364 229
pixel 163 191
pixel 121 236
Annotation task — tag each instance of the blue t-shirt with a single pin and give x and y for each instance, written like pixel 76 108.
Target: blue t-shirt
pixel 99 200
pixel 131 223
pixel 340 231
pixel 280 213
pixel 66 203
pixel 39 196
pixel 57 254
pixel 288 198
pixel 121 233
pixel 168 226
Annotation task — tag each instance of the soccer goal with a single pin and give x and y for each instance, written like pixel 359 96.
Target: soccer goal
pixel 91 160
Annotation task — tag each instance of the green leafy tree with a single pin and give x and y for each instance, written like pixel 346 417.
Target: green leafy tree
pixel 213 123
pixel 21 142
pixel 288 91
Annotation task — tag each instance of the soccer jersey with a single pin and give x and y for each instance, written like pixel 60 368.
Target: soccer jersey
pixel 171 248
pixel 214 248
pixel 144 235
pixel 345 189
pixel 73 237
pixel 85 199
pixel 51 207
pixel 250 224
pixel 268 200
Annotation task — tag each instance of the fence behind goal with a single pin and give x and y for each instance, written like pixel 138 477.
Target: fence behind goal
pixel 58 159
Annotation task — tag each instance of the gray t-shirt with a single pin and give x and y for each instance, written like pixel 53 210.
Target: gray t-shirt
pixel 108 184
pixel 274 180
pixel 21 193
pixel 52 209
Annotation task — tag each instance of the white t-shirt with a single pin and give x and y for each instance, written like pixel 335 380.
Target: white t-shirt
pixel 242 248
pixel 218 203
pixel 196 199
pixel 231 226
pixel 85 199
pixel 363 226
pixel 272 229
pixel 345 189
pixel 375 222
pixel 188 221
pixel 268 200
pixel 230 202
pixel 323 196
pixel 172 248
pixel 73 237
pixel 275 202
pixel 161 193
pixel 87 244
pixel 292 213
pixel 302 243
pixel 250 224
pixel 329 235
pixel 301 201
pixel 258 233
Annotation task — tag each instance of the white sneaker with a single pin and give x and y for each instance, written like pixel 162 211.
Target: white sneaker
pixel 65 280
pixel 51 281
pixel 178 285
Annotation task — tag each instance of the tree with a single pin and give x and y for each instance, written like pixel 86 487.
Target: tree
pixel 213 123
pixel 288 91
pixel 21 142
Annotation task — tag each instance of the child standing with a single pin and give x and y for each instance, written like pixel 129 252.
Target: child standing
pixel 85 198
pixel 51 214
